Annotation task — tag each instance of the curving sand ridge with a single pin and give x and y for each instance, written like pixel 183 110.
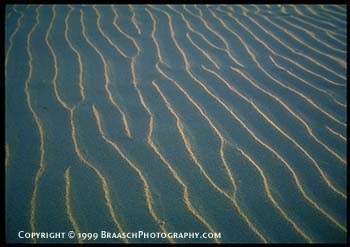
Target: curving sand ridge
pixel 81 82
pixel 71 110
pixel 222 143
pixel 297 181
pixel 104 34
pixel 326 30
pixel 271 197
pixel 134 20
pixel 12 36
pixel 301 79
pixel 202 51
pixel 227 48
pixel 261 142
pixel 234 90
pixel 149 136
pixel 336 133
pixel 68 203
pixel 188 25
pixel 42 164
pixel 115 24
pixel 341 62
pixel 308 128
pixel 106 76
pixel 146 187
pixel 286 58
pixel 154 28
pixel 186 195
pixel 292 49
pixel 200 166
pixel 289 110
pixel 312 35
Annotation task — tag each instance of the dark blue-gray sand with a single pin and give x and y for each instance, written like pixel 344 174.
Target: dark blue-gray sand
pixel 175 123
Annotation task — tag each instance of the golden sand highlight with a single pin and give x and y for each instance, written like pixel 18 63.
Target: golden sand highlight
pixel 227 48
pixel 154 28
pixel 68 203
pixel 275 126
pixel 194 158
pixel 98 22
pixel 77 54
pixel 272 199
pixel 104 184
pixel 147 191
pixel 115 20
pixel 284 105
pixel 279 55
pixel 321 65
pixel 202 51
pixel 12 36
pixel 188 25
pixel 312 35
pixel 71 111
pixel 42 164
pixel 134 20
pixel 106 76
pixel 336 133
pixel 341 62
pixel 301 79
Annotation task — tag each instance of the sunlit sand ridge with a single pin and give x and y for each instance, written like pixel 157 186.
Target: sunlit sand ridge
pixel 313 35
pixel 186 195
pixel 234 90
pixel 337 60
pixel 18 25
pixel 42 164
pixel 202 51
pixel 289 47
pixel 308 128
pixel 146 188
pixel 104 34
pixel 227 48
pixel 68 204
pixel 301 188
pixel 66 30
pixel 115 24
pixel 284 57
pixel 298 183
pixel 280 83
pixel 106 76
pixel 310 17
pixel 337 134
pixel 271 197
pixel 200 166
pixel 222 141
pixel 149 136
pixel 133 19
pixel 312 202
pixel 329 32
pixel 154 27
pixel 188 25
pixel 71 110
pixel 302 80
